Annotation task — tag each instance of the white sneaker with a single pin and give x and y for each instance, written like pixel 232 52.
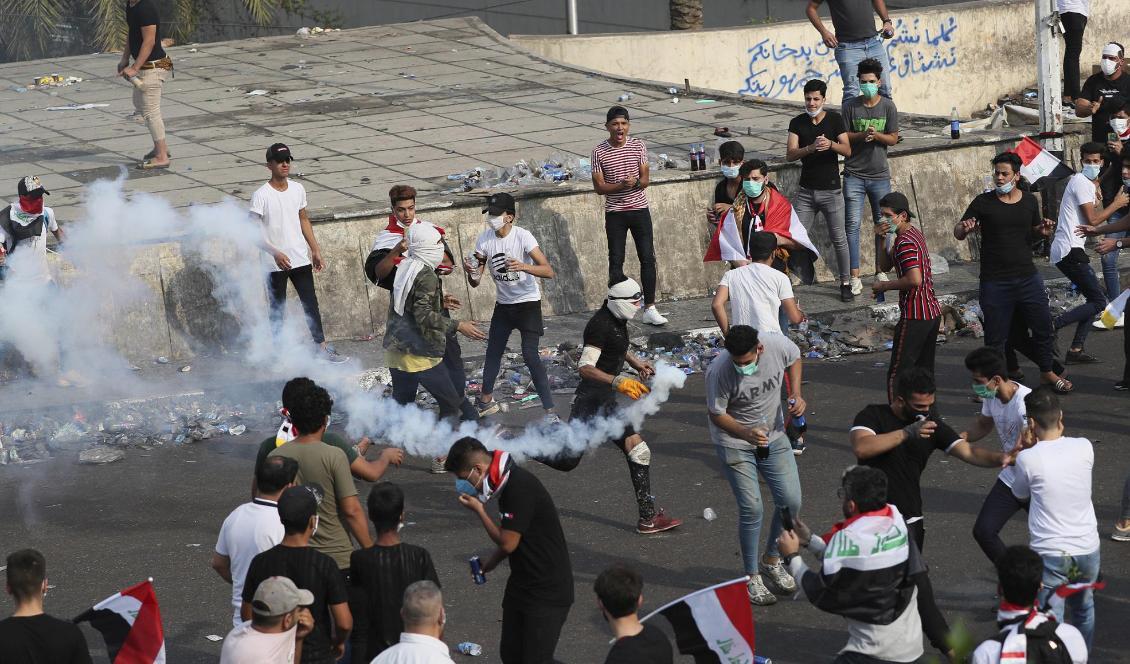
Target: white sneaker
pixel 758 593
pixel 856 286
pixel 1098 324
pixel 651 316
pixel 778 578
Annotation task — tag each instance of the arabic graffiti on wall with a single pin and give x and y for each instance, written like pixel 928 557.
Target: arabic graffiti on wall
pixel 778 69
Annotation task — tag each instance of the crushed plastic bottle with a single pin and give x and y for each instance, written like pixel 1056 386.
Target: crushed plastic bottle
pixel 468 648
pixel 709 514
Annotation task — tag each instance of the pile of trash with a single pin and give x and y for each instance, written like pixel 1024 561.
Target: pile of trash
pixel 524 172
pixel 314 31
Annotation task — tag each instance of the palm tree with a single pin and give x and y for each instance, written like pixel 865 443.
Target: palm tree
pixel 686 14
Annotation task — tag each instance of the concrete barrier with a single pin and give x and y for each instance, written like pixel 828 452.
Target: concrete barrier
pixel 963 55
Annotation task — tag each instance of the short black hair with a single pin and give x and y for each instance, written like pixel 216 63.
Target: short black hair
pixel 616 112
pixel 1114 104
pixel 1042 405
pixel 462 454
pixel 27 568
pixel 275 473
pixel 987 362
pixel 619 588
pixel 869 66
pixel 816 85
pixel 292 387
pixel 751 166
pixel 386 504
pixel 740 340
pixel 866 486
pixel 762 245
pixel 1092 147
pixel 310 408
pixel 1020 571
pixel 1010 158
pixel 731 151
pixel 915 380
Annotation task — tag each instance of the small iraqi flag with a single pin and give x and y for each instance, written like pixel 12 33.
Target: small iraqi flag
pixel 714 624
pixel 130 623
pixel 1039 164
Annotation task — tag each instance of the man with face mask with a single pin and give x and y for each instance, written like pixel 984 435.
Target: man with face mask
pixel 898 438
pixel 539 591
pixel 743 385
pixel 515 262
pixel 1112 182
pixel 1100 87
pixel 23 227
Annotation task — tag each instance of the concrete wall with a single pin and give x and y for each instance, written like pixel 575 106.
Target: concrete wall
pixel 179 316
pixel 965 55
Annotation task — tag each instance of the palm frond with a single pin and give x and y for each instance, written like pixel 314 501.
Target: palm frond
pixel 186 18
pixel 261 11
pixel 30 26
pixel 110 29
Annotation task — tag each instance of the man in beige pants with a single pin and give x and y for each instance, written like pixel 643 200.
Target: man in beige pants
pixel 151 66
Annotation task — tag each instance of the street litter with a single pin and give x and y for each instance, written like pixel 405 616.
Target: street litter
pixel 101 455
pixel 54 81
pixel 215 638
pixel 257 93
pixel 76 107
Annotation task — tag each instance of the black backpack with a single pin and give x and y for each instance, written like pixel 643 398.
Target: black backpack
pixel 1043 644
pixel 17 233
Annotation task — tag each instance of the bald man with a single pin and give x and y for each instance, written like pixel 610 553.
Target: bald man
pixel 424 618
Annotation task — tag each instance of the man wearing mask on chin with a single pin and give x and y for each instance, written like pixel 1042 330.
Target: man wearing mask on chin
pixel 1111 80
pixel 515 262
pixel 1007 219
pixel 539 591
pixel 898 438
pixel 603 356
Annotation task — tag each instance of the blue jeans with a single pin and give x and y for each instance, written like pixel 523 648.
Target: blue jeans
pixel 1110 263
pixel 1057 571
pixel 779 471
pixel 1081 274
pixel 1026 297
pixel 848 57
pixel 856 190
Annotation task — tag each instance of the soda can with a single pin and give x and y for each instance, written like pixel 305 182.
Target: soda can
pixel 477 571
pixel 758 659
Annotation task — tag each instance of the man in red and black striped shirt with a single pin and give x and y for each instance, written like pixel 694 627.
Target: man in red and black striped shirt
pixel 920 314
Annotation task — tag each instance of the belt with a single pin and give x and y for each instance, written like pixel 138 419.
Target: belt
pixel 164 63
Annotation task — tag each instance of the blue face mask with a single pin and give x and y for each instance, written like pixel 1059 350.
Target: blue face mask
pixel 730 171
pixel 1006 188
pixel 466 488
pixel 1091 171
pixel 746 369
pixel 751 188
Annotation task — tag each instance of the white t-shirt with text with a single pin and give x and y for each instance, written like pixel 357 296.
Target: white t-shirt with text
pixel 1009 419
pixel 1080 191
pixel 510 287
pixel 1056 475
pixel 282 228
pixel 756 291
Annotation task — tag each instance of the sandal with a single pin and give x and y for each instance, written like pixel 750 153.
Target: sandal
pixel 1063 386
pixel 153 153
pixel 148 165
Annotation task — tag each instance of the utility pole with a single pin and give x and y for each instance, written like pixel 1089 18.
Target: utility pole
pixel 571 10
pixel 1049 67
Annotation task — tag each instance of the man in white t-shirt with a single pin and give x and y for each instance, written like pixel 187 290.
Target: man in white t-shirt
pixel 1002 408
pixel 279 622
pixel 291 250
pixel 253 527
pixel 1081 205
pixel 1054 472
pixel 515 262
pixel 23 234
pixel 760 296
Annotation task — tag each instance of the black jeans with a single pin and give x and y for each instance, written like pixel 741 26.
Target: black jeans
pixel 915 344
pixel 934 624
pixel 1073 27
pixel 1020 341
pixel 526 318
pixel 998 508
pixel 530 633
pixel 453 361
pixel 303 280
pixel 616 227
pixel 1077 268
pixel 1023 295
pixel 437 381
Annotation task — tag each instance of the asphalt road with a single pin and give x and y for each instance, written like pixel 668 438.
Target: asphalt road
pixel 157 514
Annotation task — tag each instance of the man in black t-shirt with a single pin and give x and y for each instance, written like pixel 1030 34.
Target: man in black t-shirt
pixel 151 66
pixel 30 636
pixel 1100 87
pixel 619 593
pixel 1007 218
pixel 539 591
pixel 899 439
pixel 818 138
pixel 310 570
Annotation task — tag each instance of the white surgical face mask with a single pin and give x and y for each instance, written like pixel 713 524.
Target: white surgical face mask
pixel 1119 125
pixel 1108 66
pixel 496 223
pixel 813 114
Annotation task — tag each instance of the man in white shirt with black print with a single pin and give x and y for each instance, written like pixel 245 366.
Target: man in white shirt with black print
pixel 291 250
pixel 512 257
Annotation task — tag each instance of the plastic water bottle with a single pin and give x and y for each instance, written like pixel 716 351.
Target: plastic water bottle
pixel 955 124
pixel 709 514
pixel 474 649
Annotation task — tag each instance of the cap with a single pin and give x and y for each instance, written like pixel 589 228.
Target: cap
pixel 298 503
pixel 30 186
pixel 277 595
pixel 499 203
pixel 279 152
pixel 762 245
pixel 617 112
pixel 897 202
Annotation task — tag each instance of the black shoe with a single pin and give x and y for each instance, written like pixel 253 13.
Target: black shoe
pixel 1080 357
pixel 845 293
pixel 1122 386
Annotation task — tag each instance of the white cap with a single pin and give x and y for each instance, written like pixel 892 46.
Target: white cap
pixel 1112 49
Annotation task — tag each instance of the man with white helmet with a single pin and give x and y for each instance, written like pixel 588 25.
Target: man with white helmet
pixel 602 358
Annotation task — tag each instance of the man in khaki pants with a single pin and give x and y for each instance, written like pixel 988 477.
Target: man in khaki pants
pixel 151 66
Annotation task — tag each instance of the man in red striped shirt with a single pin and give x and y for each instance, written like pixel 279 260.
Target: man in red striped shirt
pixel 620 173
pixel 920 314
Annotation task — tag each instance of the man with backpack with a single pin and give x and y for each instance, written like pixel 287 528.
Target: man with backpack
pixel 24 226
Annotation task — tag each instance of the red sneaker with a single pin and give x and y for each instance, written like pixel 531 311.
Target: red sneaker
pixel 659 523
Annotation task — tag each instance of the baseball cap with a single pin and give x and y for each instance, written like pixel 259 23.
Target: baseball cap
pixel 762 245
pixel 277 595
pixel 897 202
pixel 499 203
pixel 279 152
pixel 298 503
pixel 617 112
pixel 30 186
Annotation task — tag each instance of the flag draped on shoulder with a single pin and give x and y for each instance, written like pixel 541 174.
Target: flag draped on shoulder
pixel 777 217
pixel 714 624
pixel 1038 164
pixel 866 572
pixel 130 623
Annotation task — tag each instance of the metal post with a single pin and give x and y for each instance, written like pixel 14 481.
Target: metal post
pixel 1049 68
pixel 572 12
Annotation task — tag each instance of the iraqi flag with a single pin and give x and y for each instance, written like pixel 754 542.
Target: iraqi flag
pixel 130 623
pixel 1038 164
pixel 715 624
pixel 779 218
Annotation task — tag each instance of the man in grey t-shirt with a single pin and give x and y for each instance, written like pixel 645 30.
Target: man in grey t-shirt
pixel 743 398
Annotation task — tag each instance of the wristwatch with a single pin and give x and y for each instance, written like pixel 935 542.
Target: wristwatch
pixel 789 558
pixel 1118 244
